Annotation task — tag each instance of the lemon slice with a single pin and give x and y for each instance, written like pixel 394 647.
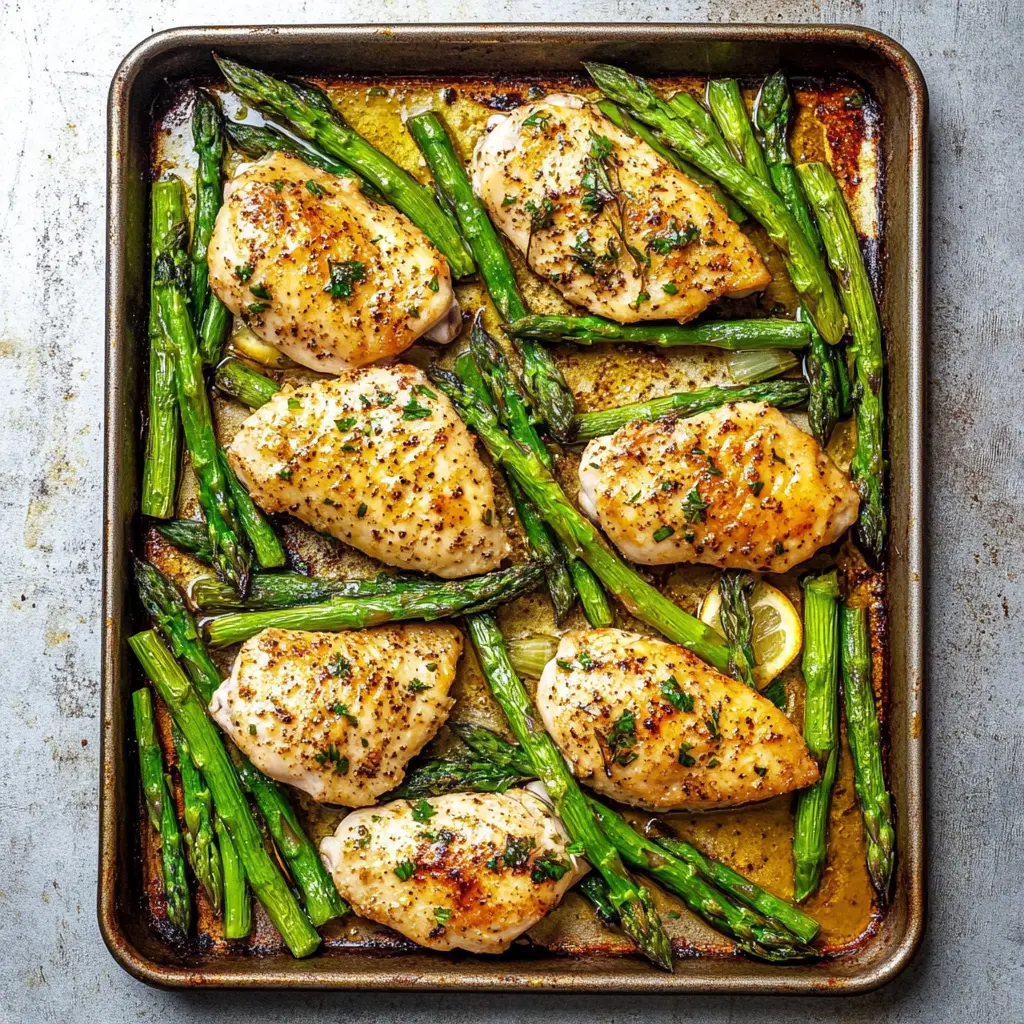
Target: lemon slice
pixel 778 632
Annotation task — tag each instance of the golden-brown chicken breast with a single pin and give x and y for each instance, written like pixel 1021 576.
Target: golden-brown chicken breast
pixel 648 723
pixel 329 277
pixel 380 460
pixel 613 226
pixel 738 487
pixel 463 871
pixel 339 715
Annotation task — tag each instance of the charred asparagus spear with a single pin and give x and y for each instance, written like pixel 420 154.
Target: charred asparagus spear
pixel 191 535
pixel 578 533
pixel 731 335
pixel 237 902
pixel 438 600
pixel 783 394
pixel 315 119
pixel 244 382
pixel 163 432
pixel 735 588
pixel 543 378
pixel 864 734
pixel 821 729
pixel 160 809
pixel 167 609
pixel 821 363
pixel 203 854
pixel 170 273
pixel 639 130
pixel 868 467
pixel 724 99
pixel 190 717
pixel 209 315
pixel 265 543
pixel 633 902
pixel 685 125
pixel 773 111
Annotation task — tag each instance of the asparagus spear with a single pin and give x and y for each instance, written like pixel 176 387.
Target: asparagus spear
pixel 199 832
pixel 773 110
pixel 160 808
pixel 514 415
pixel 167 609
pixel 452 775
pixel 258 140
pixel 685 125
pixel 437 601
pixel 725 101
pixel 867 468
pixel 237 904
pixel 594 888
pixel 192 536
pixel 821 728
pixel 544 379
pixel 578 533
pixel 731 335
pixel 639 130
pixel 821 364
pixel 633 902
pixel 287 589
pixel 209 315
pixel 735 588
pixel 538 534
pixel 244 382
pixel 163 433
pixel 208 751
pixel 783 394
pixel 230 552
pixel 265 543
pixel 514 759
pixel 318 121
pixel 864 734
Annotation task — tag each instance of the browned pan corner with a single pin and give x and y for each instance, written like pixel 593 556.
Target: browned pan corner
pixel 897 82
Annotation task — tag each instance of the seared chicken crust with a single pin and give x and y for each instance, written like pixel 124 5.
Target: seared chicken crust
pixel 380 460
pixel 647 723
pixel 737 487
pixel 614 227
pixel 466 871
pixel 339 715
pixel 329 277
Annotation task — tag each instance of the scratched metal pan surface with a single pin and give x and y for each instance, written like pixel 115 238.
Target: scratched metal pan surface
pixel 568 958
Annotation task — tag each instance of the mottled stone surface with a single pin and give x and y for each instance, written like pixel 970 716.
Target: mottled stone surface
pixel 57 60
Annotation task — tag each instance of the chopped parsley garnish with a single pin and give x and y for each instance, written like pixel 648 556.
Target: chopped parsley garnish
pixel 684 755
pixel 376 90
pixel 713 470
pixel 669 289
pixel 431 666
pixel 243 272
pixel 342 711
pixel 417 686
pixel 414 411
pixel 566 665
pixel 712 722
pixel 285 474
pixel 537 120
pixel 343 275
pixel 422 811
pixel 442 915
pixel 548 867
pixel 585 660
pixel 663 532
pixel 332 756
pixel 689 536
pixel 405 870
pixel 776 457
pixel 675 696
pixel 780 548
pixel 633 498
pixel 713 763
pixel 620 741
pixel 339 666
pixel 583 254
pixel 667 485
pixel 517 851
pixel 362 510
pixel 315 188
pixel 756 487
pixel 294 403
pixel 257 307
pixel 345 423
pixel 433 283
pixel 252 729
pixel 508 201
pixel 365 402
pixel 695 508
pixel 422 389
pixel 575 848
pixel 775 691
pixel 672 238
pixel 541 217
pixel 595 183
pixel 640 300
pixel 413 311
pixel 488 517
pixel 759 769
pixel 385 399
pixel 260 291
pixel 349 448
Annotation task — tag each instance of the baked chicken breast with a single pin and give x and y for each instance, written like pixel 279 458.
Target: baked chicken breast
pixel 466 871
pixel 737 487
pixel 329 277
pixel 339 715
pixel 647 723
pixel 380 460
pixel 614 227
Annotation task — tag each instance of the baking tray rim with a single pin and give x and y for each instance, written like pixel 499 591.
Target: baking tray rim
pixel 415 972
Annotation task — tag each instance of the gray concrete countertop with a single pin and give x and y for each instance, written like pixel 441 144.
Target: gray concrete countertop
pixel 57 60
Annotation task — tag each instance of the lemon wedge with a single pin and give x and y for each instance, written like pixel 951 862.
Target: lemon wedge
pixel 778 632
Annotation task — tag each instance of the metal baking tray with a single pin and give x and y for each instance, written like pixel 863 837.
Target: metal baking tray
pixel 894 81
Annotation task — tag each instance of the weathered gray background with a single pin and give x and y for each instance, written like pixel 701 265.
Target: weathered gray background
pixel 57 59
